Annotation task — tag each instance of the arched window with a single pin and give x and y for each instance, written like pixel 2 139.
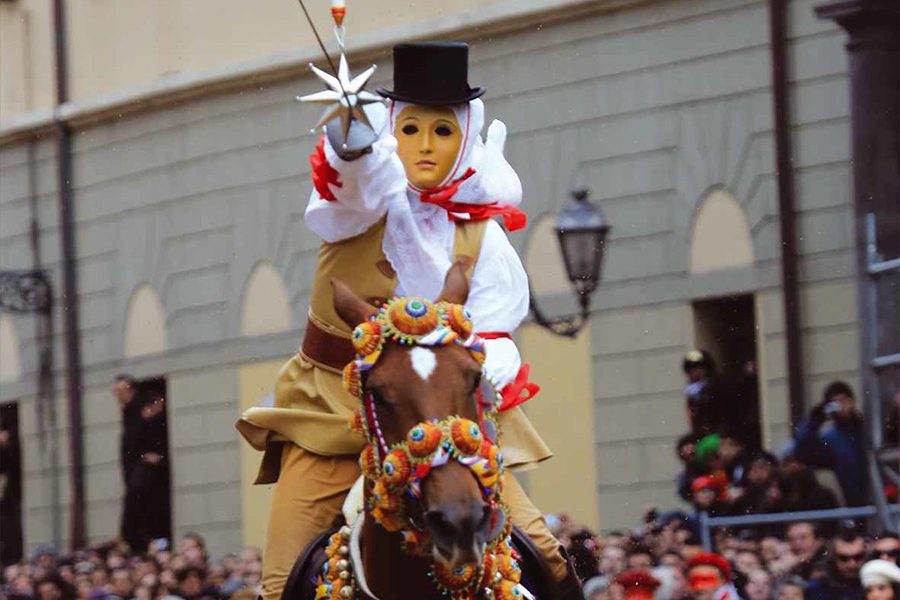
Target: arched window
pixel 10 363
pixel 145 324
pixel 721 238
pixel 265 308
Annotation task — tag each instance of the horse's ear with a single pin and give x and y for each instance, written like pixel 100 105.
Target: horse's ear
pixel 456 285
pixel 352 309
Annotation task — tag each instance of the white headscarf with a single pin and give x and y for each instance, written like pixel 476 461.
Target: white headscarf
pixel 494 180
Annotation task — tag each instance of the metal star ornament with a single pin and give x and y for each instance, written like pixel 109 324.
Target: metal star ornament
pixel 345 97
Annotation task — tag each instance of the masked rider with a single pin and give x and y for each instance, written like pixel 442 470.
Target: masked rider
pixel 392 222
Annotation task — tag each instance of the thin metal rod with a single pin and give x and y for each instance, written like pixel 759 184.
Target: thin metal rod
pixel 334 70
pixel 802 515
pixel 880 362
pixel 881 267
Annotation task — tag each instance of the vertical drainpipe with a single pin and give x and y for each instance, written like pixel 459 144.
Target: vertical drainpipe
pixel 786 210
pixel 70 279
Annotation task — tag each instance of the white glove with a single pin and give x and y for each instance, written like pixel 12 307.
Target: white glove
pixel 501 362
pixel 499 181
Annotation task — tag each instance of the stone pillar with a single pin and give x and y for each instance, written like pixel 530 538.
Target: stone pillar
pixel 872 47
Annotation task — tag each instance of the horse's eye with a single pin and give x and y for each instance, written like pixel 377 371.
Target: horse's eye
pixel 410 129
pixel 378 397
pixel 476 383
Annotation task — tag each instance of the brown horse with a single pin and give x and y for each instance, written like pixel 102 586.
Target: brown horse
pixel 411 385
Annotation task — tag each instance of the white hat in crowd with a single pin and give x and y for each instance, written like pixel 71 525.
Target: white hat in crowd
pixel 879 571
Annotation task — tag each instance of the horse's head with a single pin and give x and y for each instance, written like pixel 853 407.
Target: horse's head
pixel 414 391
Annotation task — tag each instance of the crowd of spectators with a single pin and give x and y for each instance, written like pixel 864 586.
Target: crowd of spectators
pixel 727 473
pixel 799 561
pixel 111 572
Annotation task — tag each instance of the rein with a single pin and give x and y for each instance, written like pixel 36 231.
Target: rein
pixel 395 472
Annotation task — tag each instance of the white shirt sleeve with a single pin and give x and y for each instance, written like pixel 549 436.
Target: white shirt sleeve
pixel 498 301
pixel 368 185
pixel 498 292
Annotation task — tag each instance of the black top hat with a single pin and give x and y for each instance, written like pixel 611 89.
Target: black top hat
pixel 432 73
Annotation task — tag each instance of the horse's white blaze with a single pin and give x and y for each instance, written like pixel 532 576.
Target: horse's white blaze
pixel 423 362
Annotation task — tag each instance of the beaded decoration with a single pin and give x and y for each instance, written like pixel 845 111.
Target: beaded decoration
pixel 396 472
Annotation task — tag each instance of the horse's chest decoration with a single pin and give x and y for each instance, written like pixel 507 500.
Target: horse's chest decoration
pixel 396 472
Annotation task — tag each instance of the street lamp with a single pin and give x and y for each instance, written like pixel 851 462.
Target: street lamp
pixel 582 232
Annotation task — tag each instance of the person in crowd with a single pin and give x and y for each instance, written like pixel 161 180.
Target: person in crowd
pixel 671 558
pixel 121 583
pixel 746 562
pixel 597 588
pixel 686 450
pixel 702 393
pixel 802 491
pixel 192 585
pixel 612 561
pixel 709 578
pixel 54 587
pixel 881 580
pixel 886 546
pixel 125 392
pixel 152 475
pixel 841 581
pixel 758 585
pixel 791 587
pixel 840 447
pixel 640 558
pixel 709 494
pixel 807 546
pixel 638 584
pixel 762 487
pixel 585 554
pixel 673 585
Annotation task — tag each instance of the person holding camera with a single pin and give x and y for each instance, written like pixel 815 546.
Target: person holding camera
pixel 833 437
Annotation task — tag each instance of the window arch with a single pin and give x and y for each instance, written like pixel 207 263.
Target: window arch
pixel 265 308
pixel 145 323
pixel 721 237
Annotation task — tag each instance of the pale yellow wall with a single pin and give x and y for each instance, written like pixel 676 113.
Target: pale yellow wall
pixel 255 382
pixel 265 308
pixel 26 57
pixel 117 45
pixel 544 257
pixel 721 238
pixel 10 363
pixel 563 414
pixel 145 324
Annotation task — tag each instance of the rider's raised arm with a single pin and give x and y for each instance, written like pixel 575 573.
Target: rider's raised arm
pixel 348 197
pixel 498 301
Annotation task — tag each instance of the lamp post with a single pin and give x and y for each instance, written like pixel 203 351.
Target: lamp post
pixel 582 231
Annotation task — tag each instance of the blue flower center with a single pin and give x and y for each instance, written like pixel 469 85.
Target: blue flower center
pixel 416 308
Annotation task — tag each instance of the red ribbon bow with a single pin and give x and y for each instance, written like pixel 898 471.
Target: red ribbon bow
pixel 513 218
pixel 323 173
pixel 519 391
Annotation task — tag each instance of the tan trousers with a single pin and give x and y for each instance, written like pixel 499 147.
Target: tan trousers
pixel 309 495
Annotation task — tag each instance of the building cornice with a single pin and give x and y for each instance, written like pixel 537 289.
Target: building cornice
pixel 170 89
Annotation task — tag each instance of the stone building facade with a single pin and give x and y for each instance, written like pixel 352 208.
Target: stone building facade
pixel 194 263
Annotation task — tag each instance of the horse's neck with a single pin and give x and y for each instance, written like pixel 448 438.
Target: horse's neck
pixel 391 574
